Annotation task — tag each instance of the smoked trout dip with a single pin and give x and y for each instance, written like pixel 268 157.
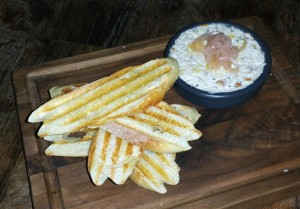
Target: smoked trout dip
pixel 193 67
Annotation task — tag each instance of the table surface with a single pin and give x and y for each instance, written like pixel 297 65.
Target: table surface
pixel 50 36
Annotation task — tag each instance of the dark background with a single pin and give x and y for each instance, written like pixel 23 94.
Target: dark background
pixel 32 32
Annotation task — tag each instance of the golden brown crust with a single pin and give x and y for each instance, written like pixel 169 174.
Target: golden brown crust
pixel 111 157
pixel 154 170
pixel 124 93
pixel 137 137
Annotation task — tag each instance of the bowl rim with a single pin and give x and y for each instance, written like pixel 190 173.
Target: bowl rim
pixel 256 84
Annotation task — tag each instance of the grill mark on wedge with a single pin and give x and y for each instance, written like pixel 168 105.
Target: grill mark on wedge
pixel 87 123
pixel 129 149
pixel 131 86
pixel 91 86
pixel 98 174
pixel 167 119
pixel 154 123
pixel 103 153
pixel 135 85
pixel 164 159
pixel 116 153
pixel 125 167
pixel 99 92
pixel 146 172
pixel 98 83
pixel 106 141
pixel 156 166
pixel 105 113
pixel 92 150
pixel 165 107
pixel 112 173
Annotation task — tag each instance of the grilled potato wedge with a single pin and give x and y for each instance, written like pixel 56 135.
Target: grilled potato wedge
pixel 108 153
pixel 155 169
pixel 125 92
pixel 70 149
pixel 158 128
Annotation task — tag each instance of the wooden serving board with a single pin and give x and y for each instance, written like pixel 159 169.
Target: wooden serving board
pixel 248 155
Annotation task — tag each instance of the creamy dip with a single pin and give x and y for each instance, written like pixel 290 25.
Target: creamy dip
pixel 193 67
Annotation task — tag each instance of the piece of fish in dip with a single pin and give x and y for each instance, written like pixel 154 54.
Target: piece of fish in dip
pixel 193 68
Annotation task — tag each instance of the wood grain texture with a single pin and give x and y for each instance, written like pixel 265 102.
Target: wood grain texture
pixel 33 32
pixel 250 150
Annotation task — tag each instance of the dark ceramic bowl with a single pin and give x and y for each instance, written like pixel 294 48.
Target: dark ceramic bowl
pixel 221 100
